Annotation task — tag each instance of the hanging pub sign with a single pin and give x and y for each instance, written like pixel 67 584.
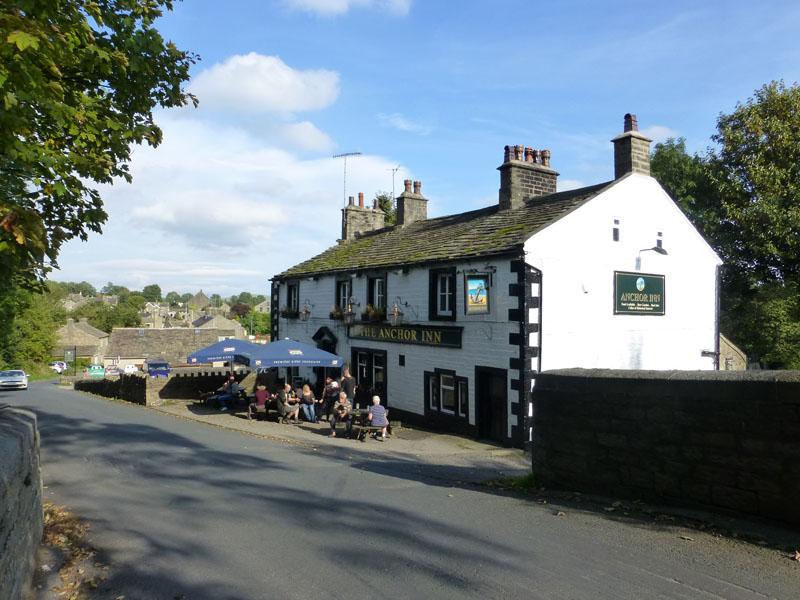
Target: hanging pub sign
pixel 477 290
pixel 638 294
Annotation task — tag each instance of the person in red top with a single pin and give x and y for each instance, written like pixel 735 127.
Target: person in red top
pixel 262 397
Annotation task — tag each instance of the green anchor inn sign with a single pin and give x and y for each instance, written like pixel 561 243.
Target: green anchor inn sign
pixel 638 294
pixel 446 337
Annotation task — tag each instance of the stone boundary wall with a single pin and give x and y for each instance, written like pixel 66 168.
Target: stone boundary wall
pixel 21 520
pixel 155 391
pixel 713 439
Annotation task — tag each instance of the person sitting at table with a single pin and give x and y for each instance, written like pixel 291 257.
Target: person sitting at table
pixel 341 414
pixel 287 404
pixel 262 397
pixel 377 417
pixel 229 391
pixel 329 396
pixel 307 403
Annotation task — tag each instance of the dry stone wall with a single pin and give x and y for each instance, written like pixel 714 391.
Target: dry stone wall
pixel 20 502
pixel 721 440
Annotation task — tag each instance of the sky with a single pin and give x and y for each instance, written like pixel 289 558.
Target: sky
pixel 245 186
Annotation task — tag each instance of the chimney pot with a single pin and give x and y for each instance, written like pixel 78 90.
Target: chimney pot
pixel 417 187
pixel 361 199
pixel 518 153
pixel 374 204
pixel 352 201
pixel 407 183
pixel 537 157
pixel 529 154
pixel 546 158
pixel 631 124
pixel 506 154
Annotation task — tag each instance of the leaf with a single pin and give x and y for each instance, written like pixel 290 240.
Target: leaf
pixel 687 538
pixel 795 556
pixel 23 40
pixel 561 514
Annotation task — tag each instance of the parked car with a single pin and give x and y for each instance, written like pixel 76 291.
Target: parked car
pixel 59 366
pixel 157 368
pixel 96 371
pixel 13 380
pixel 130 369
pixel 112 370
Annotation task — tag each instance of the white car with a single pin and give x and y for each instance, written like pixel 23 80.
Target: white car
pixel 13 380
pixel 59 366
pixel 130 369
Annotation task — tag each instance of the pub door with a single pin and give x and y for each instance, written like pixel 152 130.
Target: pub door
pixel 370 368
pixel 491 403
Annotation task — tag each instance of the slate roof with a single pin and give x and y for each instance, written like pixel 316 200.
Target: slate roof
pixel 172 345
pixel 487 231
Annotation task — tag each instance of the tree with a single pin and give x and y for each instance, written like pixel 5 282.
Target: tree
pixel 386 204
pixel 28 325
pixel 172 297
pixel 84 288
pixel 186 297
pixel 260 323
pixel 152 293
pixel 104 317
pixel 240 309
pixel 79 81
pixel 111 289
pixel 743 196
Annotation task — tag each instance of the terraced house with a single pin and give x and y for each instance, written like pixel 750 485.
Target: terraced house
pixel 450 318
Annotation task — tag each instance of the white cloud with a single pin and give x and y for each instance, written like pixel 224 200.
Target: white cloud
pixel 220 208
pixel 564 185
pixel 307 137
pixel 255 83
pixel 339 7
pixel 398 121
pixel 659 133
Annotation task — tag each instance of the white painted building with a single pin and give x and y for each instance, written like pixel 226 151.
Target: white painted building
pixel 608 276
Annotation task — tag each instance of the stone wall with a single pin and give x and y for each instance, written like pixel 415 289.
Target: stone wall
pixel 714 439
pixel 154 391
pixel 20 502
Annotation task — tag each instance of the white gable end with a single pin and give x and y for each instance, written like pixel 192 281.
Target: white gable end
pixel 578 256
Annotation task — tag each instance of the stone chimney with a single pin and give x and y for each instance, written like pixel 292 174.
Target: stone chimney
pixel 525 174
pixel 631 150
pixel 360 219
pixel 411 205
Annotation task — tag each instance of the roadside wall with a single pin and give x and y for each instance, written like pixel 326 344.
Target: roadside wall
pixel 154 391
pixel 724 440
pixel 20 502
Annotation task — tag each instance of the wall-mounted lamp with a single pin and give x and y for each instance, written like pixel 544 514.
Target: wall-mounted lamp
pixel 656 249
pixel 349 315
pixel 396 316
pixel 305 313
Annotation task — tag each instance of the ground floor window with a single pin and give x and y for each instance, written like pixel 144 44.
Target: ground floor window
pixel 370 371
pixel 447 393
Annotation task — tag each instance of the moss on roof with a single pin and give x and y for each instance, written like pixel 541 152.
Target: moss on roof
pixel 465 235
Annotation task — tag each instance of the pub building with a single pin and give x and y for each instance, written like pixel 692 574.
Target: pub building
pixel 449 318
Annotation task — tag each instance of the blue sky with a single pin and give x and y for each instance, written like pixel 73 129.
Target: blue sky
pixel 244 186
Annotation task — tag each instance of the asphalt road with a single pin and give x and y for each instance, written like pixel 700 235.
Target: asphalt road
pixel 185 510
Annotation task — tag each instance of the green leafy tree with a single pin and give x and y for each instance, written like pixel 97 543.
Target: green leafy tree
pixel 172 297
pixel 744 197
pixel 79 81
pixel 186 297
pixel 135 301
pixel 260 323
pixel 28 325
pixel 104 317
pixel 84 287
pixel 111 289
pixel 386 204
pixel 152 293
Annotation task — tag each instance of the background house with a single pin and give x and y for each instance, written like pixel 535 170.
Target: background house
pixel 134 346
pixel 87 341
